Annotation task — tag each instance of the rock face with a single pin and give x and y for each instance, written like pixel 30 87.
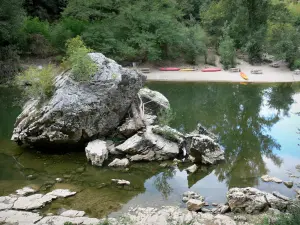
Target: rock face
pixel 155 101
pixel 253 201
pixel 149 147
pixel 204 149
pixel 96 152
pixel 80 111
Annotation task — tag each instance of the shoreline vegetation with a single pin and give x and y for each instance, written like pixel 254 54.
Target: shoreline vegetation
pixel 152 32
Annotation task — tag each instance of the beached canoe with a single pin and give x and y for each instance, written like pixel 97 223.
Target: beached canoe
pixel 187 69
pixel 169 69
pixel 211 69
pixel 244 76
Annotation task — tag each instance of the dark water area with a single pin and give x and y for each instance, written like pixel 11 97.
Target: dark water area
pixel 257 126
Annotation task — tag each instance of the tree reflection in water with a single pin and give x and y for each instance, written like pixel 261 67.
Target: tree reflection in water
pixel 235 113
pixel 161 182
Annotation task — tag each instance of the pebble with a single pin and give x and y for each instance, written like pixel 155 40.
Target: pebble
pixel 289 184
pixel 58 180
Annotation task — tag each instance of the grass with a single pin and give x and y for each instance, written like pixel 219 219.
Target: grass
pixel 292 218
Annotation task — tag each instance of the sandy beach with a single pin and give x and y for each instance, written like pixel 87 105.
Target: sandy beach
pixel 270 75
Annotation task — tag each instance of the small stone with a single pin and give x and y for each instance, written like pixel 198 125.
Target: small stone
pixel 240 218
pixel 73 213
pixel 289 184
pixel 25 191
pixel 205 210
pixel 177 161
pixel 267 178
pixel 121 182
pixel 192 169
pixel 119 163
pixel 58 180
pixel 127 169
pixel 278 195
pixel 294 176
pixel 80 170
pixel 206 204
pixel 61 193
pixel 49 214
pixel 214 204
pixel 194 205
pixel 163 165
pixel 30 177
pixel 185 199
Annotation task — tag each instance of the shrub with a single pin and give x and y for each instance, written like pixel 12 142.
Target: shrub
pixel 296 64
pixel 165 116
pixel 9 62
pixel 81 64
pixel 227 52
pixel 36 26
pixel 65 29
pixel 37 83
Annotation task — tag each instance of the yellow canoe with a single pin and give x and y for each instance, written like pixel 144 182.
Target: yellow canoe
pixel 244 76
pixel 187 69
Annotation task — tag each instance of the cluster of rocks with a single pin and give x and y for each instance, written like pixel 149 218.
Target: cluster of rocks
pixel 241 200
pixel 267 178
pixel 112 104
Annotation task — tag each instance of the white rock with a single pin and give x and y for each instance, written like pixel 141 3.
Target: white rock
pixel 192 169
pixel 119 163
pixel 35 201
pixel 7 202
pixel 96 152
pixel 25 191
pixel 58 180
pixel 61 193
pixel 60 220
pixel 120 182
pixel 19 217
pixel 73 213
pixel 194 204
pixel 267 178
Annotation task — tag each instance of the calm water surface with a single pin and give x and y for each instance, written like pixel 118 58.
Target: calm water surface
pixel 257 125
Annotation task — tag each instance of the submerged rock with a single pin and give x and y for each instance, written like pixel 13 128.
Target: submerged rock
pixel 119 163
pixel 204 149
pixel 73 213
pixel 25 191
pixel 120 182
pixel 191 195
pixel 96 152
pixel 267 178
pixel 192 169
pixel 288 184
pixel 79 111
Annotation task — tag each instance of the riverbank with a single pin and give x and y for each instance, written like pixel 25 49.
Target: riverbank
pixel 269 75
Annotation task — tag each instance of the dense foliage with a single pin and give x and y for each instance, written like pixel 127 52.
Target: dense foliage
pixel 153 31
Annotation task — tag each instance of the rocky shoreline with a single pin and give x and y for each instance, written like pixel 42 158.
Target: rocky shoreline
pixel 245 206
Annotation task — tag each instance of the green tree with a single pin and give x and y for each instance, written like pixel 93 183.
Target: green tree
pixel 227 52
pixel 11 20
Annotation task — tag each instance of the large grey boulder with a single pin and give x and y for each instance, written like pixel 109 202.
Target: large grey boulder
pixel 149 147
pixel 96 152
pixel 79 111
pixel 253 201
pixel 204 149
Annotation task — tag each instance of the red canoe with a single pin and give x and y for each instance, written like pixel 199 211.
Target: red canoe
pixel 211 69
pixel 169 69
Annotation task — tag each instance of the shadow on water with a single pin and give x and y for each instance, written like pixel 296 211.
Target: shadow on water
pixel 237 113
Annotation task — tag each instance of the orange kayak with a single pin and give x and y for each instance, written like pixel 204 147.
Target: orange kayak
pixel 243 75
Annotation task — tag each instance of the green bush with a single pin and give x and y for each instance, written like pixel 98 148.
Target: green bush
pixel 36 26
pixel 37 83
pixel 81 64
pixel 227 52
pixel 65 29
pixel 166 116
pixel 296 64
pixel 9 62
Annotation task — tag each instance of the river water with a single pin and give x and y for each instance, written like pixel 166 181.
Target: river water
pixel 257 126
